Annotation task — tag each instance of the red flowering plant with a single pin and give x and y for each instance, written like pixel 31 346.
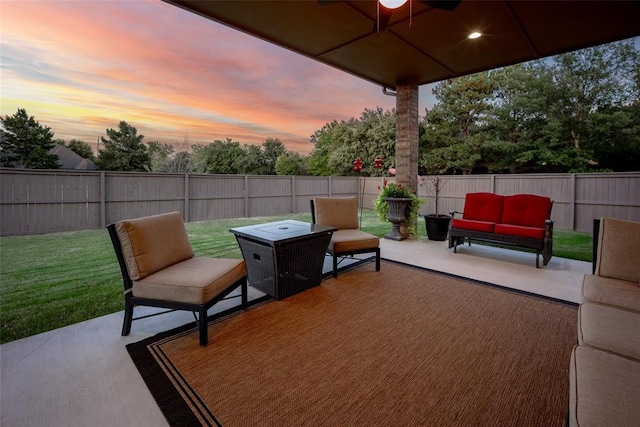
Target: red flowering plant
pixel 393 190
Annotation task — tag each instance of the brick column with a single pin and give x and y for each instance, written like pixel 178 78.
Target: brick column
pixel 407 134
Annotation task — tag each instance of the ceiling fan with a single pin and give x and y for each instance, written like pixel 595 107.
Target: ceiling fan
pixel 385 8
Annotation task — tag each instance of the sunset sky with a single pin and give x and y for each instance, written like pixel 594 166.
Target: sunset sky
pixel 80 67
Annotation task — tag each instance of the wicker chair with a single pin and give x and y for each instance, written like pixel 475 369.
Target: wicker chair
pixel 348 240
pixel 159 269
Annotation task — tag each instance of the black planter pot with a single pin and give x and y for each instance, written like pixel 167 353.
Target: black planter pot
pixel 437 226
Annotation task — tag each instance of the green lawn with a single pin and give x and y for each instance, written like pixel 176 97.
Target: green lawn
pixel 53 280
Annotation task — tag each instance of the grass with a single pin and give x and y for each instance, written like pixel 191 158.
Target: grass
pixel 54 280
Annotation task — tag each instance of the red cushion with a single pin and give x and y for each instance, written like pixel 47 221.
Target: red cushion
pixel 468 224
pixel 520 231
pixel 527 210
pixel 483 207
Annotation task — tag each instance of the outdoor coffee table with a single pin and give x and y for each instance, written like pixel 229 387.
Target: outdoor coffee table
pixel 283 257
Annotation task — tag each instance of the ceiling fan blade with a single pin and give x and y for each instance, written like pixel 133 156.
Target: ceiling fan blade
pixel 441 4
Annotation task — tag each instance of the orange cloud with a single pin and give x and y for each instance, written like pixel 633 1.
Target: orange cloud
pixel 80 67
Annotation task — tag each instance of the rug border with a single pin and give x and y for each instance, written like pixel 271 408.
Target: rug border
pixel 487 284
pixel 172 403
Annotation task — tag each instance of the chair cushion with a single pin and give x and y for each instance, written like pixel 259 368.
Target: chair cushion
pixel 483 207
pixel 603 389
pixel 609 328
pixel 470 224
pixel 352 240
pixel 618 249
pixel 339 212
pixel 519 231
pixel 196 280
pixel 608 291
pixel 528 210
pixel 152 243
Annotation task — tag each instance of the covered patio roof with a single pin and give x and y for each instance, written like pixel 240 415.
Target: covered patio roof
pixel 429 44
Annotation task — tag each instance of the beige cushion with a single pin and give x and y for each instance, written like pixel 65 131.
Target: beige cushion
pixel 603 389
pixel 352 240
pixel 152 243
pixel 339 212
pixel 619 249
pixel 609 328
pixel 615 292
pixel 196 280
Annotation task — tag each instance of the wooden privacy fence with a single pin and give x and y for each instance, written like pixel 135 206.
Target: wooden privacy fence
pixel 47 201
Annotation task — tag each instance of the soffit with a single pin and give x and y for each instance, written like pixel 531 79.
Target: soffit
pixel 432 44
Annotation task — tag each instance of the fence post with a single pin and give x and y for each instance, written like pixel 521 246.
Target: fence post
pixel 246 196
pixel 186 198
pixel 572 201
pixel 103 203
pixel 293 194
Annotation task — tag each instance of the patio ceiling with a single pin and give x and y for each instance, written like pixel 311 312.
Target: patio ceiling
pixel 435 47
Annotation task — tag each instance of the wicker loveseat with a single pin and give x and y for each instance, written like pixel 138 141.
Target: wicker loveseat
pixel 605 365
pixel 521 220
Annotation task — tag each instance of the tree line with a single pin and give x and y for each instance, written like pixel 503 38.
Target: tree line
pixel 575 112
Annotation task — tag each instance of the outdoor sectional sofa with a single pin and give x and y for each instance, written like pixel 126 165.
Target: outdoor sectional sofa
pixel 605 365
pixel 520 220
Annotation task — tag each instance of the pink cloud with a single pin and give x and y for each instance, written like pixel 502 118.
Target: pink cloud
pixel 169 73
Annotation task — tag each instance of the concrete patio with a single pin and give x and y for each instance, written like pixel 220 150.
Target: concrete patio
pixel 82 374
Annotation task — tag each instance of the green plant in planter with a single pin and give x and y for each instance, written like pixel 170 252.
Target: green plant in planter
pixel 381 207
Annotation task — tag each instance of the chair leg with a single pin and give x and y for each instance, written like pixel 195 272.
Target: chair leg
pixel 243 292
pixel 128 318
pixel 378 259
pixel 335 265
pixel 202 324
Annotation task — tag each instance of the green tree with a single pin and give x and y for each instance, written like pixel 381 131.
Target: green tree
pixel 25 143
pixel 123 150
pixel 291 164
pixel 454 134
pixel 587 89
pixel 338 144
pixel 81 148
pixel 252 163
pixel 515 121
pixel 323 141
pixel 272 148
pixel 616 138
pixel 219 157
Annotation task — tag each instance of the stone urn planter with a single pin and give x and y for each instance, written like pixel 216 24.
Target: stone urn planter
pixel 437 226
pixel 398 207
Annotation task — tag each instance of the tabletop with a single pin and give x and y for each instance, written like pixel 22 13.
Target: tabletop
pixel 281 231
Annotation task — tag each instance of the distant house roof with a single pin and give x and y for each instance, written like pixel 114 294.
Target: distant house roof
pixel 68 159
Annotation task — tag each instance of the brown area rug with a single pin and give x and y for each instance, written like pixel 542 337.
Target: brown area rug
pixel 399 347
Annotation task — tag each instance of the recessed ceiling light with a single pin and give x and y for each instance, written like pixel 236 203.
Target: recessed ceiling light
pixel 474 35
